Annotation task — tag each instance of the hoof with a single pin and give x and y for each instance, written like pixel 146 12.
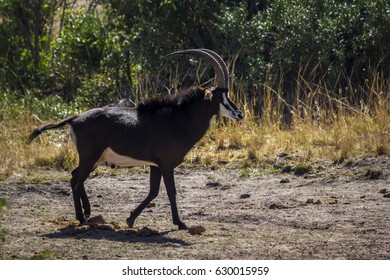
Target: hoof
pixel 130 222
pixel 182 226
pixel 83 221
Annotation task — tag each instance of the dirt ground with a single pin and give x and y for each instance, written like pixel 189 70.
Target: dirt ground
pixel 332 212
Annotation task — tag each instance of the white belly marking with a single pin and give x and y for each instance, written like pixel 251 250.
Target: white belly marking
pixel 112 157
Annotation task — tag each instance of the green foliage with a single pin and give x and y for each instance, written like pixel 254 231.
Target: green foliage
pixel 77 54
pixel 244 172
pixel 330 34
pixel 26 28
pixel 13 106
pixel 103 52
pixel 324 38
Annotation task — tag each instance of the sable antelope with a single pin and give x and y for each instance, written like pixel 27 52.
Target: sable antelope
pixel 158 132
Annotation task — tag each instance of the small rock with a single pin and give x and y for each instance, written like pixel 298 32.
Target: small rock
pixel 383 191
pixel 245 195
pixel 284 181
pixel 387 195
pixel 335 201
pixel 196 230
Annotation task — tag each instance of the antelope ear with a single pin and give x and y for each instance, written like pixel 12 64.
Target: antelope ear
pixel 208 93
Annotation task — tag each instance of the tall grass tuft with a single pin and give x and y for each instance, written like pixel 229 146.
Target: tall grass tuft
pixel 19 116
pixel 324 124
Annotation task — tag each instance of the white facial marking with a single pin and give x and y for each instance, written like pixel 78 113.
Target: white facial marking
pixel 225 110
pixel 112 157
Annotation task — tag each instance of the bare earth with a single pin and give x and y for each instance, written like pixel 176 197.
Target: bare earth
pixel 333 212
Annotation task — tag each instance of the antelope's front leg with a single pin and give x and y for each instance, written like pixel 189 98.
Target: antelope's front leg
pixel 155 181
pixel 169 182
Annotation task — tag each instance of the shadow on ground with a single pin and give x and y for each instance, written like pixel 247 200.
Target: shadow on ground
pixel 109 232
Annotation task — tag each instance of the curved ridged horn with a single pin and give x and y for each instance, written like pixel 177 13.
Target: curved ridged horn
pixel 222 78
pixel 222 63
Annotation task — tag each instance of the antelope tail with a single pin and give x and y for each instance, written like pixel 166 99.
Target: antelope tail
pixel 41 129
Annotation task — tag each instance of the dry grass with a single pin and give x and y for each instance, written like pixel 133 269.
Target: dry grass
pixel 255 144
pixel 53 149
pixel 319 130
pixel 330 130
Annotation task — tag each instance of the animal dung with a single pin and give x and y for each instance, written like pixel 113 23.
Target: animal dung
pixel 332 202
pixel 145 232
pixel 245 195
pixel 213 184
pixel 196 230
pixel 313 201
pixel 97 220
pixel 277 206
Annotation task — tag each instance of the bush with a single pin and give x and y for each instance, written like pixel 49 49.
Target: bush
pixel 316 40
pixel 103 52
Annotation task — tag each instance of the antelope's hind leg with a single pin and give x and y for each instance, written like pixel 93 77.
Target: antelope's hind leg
pixel 79 187
pixel 79 175
pixel 85 202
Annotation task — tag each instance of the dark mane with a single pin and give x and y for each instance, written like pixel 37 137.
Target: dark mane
pixel 170 101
